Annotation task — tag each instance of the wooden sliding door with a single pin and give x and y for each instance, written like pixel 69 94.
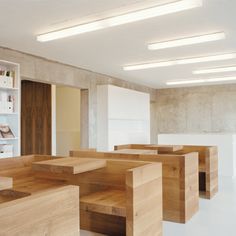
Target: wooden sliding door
pixel 36 118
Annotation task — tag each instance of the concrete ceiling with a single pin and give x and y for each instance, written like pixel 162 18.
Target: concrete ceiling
pixel 107 51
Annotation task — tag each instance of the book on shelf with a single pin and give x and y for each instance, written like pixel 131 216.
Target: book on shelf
pixel 6 102
pixel 7 78
pixel 6 150
pixel 5 131
pixel 7 73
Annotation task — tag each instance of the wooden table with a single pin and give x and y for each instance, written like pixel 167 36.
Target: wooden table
pixel 161 148
pixel 136 151
pixel 69 165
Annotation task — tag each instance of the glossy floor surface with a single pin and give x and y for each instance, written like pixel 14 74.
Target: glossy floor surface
pixel 216 217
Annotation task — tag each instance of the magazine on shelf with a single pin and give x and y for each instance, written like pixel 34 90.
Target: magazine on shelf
pixel 5 131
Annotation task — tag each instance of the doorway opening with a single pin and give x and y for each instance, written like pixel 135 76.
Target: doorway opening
pixel 54 119
pixel 36 118
pixel 67 120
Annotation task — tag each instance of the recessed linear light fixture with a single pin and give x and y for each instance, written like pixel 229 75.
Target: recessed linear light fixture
pixel 187 41
pixel 130 17
pixel 193 60
pixel 196 81
pixel 215 70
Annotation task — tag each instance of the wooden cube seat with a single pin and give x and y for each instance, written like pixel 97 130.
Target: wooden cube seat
pixel 54 212
pixel 110 202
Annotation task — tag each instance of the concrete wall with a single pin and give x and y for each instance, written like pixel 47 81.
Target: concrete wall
pixel 43 70
pixel 67 120
pixel 177 110
pixel 205 109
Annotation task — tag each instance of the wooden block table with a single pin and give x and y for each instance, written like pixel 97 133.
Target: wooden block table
pixel 180 180
pixel 69 165
pixel 116 197
pixel 208 162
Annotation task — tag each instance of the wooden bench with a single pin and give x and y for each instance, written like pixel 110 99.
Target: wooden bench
pixel 52 212
pixel 180 180
pixel 116 197
pixel 208 163
pixel 35 206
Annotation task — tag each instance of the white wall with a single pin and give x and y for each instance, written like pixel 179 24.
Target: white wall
pixel 225 142
pixel 123 117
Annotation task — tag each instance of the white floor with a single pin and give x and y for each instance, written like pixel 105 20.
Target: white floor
pixel 216 217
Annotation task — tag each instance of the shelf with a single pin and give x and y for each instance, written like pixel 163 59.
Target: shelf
pixel 6 154
pixel 8 139
pixel 10 85
pixel 10 89
pixel 13 113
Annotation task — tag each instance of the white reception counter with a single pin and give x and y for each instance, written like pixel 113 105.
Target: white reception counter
pixel 226 147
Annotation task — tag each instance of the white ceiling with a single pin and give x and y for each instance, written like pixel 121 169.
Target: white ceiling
pixel 107 51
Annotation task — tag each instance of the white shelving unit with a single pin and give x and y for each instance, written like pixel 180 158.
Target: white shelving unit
pixel 11 117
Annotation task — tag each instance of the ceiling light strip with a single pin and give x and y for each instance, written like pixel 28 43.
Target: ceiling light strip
pixel 187 41
pixel 215 70
pixel 195 81
pixel 143 14
pixel 220 57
